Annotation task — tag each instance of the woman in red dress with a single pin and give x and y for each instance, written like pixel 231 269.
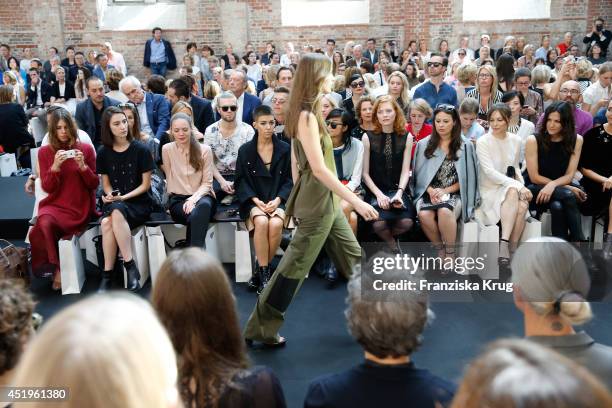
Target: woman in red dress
pixel 68 175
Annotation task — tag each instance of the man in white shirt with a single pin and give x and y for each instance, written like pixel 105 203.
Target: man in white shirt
pixel 114 58
pixel 598 95
pixel 225 138
pixel 330 48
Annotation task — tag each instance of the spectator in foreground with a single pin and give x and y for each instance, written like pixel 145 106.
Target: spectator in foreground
pixel 388 377
pixel 122 358
pixel 193 298
pixel 551 284
pixel 522 374
pixel 16 307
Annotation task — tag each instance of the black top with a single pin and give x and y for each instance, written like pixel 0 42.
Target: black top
pixel 68 90
pixel 373 385
pixel 13 127
pixel 349 107
pixel 358 132
pixel 552 162
pixel 256 387
pixel 125 169
pixel 97 140
pixel 386 169
pixel 254 179
pixel 596 153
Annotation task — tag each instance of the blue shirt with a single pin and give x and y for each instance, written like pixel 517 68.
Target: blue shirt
pixel 446 94
pixel 158 52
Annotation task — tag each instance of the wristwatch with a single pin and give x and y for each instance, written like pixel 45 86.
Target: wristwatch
pixel 32 177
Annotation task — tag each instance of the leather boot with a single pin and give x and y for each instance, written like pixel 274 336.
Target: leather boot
pixel 133 276
pixel 106 283
pixel 264 276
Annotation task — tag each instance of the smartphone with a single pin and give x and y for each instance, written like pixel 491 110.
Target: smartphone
pixel 525 106
pixel 115 193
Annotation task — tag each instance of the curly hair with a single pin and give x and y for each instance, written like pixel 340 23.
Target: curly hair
pixel 16 307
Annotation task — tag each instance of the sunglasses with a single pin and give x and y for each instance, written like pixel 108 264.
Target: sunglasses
pixel 126 105
pixel 233 108
pixel 359 84
pixel 434 64
pixel 333 125
pixel 444 107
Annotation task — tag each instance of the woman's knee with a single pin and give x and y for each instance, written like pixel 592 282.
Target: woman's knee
pixel 117 216
pixel 275 225
pixel 512 195
pixel 427 217
pixel 555 206
pixel 261 221
pixel 445 214
pixel 106 224
pixel 523 207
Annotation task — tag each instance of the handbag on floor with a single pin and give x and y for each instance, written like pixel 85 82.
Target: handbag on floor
pixel 14 262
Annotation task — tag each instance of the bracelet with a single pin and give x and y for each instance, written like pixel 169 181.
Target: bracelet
pixel 32 177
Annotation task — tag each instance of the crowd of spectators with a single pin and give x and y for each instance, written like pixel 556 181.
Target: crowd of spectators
pixel 430 138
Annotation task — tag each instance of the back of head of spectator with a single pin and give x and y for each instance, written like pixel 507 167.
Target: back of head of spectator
pixel 6 94
pixel 402 319
pixel 541 74
pixel 157 84
pixel 16 307
pixel 113 77
pixel 211 90
pixel 466 74
pixel 122 357
pixel 584 69
pixel 504 68
pixel 193 297
pixel 521 374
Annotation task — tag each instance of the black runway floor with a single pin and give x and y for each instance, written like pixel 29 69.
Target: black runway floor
pixel 319 343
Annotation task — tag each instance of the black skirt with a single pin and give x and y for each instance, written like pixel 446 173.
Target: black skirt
pixel 393 214
pixel 135 214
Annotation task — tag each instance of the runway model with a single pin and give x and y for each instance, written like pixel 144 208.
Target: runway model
pixel 312 202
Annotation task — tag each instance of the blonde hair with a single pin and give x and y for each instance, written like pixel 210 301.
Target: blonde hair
pixel 370 81
pixel 211 90
pixel 12 77
pixel 404 96
pixel 584 69
pixel 491 70
pixel 180 106
pixel 553 278
pixel 422 106
pixel 339 83
pixel 466 71
pixel 109 351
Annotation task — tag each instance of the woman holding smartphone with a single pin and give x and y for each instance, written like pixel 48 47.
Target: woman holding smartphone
pixel 68 175
pixel 313 201
pixel 125 165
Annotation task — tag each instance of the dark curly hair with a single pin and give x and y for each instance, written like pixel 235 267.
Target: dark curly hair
pixel 16 307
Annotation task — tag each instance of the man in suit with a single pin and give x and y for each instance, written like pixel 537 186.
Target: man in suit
pixel 371 52
pixel 246 102
pixel 89 112
pixel 102 67
pixel 203 116
pixel 158 54
pixel 39 97
pixel 153 109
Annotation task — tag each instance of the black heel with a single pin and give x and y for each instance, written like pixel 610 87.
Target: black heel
pixel 503 260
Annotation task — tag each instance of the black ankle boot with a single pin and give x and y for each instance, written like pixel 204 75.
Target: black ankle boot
pixel 106 283
pixel 254 282
pixel 331 275
pixel 133 275
pixel 264 276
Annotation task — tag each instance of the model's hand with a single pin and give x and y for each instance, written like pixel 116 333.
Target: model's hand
pixel 545 194
pixel 366 211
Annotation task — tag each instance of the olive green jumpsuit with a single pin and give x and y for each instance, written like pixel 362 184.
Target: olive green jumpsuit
pixel 320 222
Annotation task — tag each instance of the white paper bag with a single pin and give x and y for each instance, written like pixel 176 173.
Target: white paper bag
pixel 87 242
pixel 8 164
pixel 533 229
pixel 156 249
pixel 244 268
pixel 71 266
pixel 140 254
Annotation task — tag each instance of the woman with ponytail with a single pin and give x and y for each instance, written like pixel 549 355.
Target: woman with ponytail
pixel 189 177
pixel 551 283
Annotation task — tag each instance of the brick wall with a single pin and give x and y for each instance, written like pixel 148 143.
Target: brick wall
pixel 40 24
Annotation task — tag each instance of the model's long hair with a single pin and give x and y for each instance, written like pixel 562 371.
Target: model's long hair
pixel 195 151
pixel 568 127
pixel 434 139
pixel 193 298
pixel 307 91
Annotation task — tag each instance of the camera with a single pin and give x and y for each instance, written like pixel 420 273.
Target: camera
pixel 70 154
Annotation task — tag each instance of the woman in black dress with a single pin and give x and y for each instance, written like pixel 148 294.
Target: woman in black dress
pixel 596 166
pixel 552 157
pixel 125 165
pixel 386 170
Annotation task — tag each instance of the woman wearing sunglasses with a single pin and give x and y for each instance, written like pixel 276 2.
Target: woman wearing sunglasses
pixel 444 180
pixel 357 85
pixel 386 170
pixel 313 200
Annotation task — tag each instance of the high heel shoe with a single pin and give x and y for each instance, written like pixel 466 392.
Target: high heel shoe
pixel 278 344
pixel 106 282
pixel 133 276
pixel 504 261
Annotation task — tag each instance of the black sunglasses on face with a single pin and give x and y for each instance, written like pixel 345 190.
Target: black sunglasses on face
pixel 359 84
pixel 233 108
pixel 434 64
pixel 333 125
